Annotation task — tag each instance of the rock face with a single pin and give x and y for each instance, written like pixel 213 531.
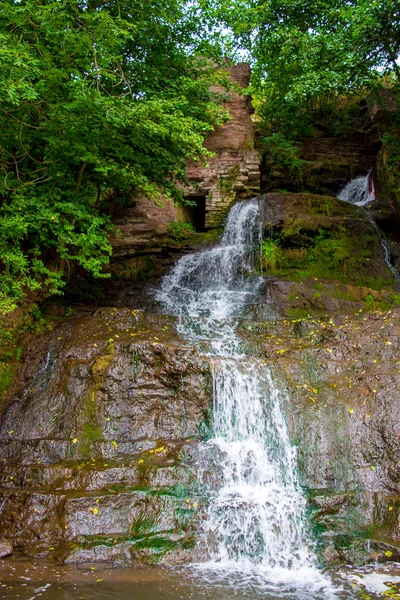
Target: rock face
pixel 330 163
pixel 231 174
pixel 322 255
pixel 5 548
pixel 96 447
pixel 343 382
pixel 383 105
pixel 143 244
pixel 99 437
pixel 142 228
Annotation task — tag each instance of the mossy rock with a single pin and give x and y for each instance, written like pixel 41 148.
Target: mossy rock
pixel 328 245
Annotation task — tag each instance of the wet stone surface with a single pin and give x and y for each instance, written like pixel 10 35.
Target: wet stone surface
pixel 99 436
pixel 342 376
pixel 96 446
pixel 100 447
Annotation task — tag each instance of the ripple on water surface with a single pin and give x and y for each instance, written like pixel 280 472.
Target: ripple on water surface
pixel 24 579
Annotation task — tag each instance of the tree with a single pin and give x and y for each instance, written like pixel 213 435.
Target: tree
pixel 308 53
pixel 99 101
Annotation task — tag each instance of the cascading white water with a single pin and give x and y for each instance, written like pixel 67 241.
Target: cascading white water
pixel 359 191
pixel 257 515
pixel 208 290
pixel 256 512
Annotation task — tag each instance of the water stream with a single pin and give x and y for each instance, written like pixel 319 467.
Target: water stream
pixel 255 540
pixel 256 514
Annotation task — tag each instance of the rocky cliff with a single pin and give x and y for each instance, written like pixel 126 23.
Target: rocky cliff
pixel 96 443
pixel 102 414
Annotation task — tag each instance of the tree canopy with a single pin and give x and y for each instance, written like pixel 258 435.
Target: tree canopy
pixel 104 99
pixel 99 100
pixel 307 52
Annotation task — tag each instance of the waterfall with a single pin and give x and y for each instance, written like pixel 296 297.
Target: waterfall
pixel 360 192
pixel 256 511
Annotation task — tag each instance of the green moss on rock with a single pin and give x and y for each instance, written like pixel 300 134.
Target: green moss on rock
pixel 7 372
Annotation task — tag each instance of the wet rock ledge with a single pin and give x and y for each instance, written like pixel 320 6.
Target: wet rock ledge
pixel 96 443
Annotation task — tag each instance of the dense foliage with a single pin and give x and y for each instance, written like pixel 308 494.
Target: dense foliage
pixel 316 65
pixel 104 99
pixel 308 54
pixel 99 100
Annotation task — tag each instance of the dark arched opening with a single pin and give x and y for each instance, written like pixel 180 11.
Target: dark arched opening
pixel 199 212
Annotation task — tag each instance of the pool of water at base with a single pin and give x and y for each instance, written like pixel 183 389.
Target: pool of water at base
pixel 27 579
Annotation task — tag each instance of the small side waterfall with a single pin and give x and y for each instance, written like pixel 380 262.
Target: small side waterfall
pixel 256 514
pixel 360 192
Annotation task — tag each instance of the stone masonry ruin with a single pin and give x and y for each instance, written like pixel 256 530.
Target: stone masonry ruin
pixel 234 171
pixel 232 174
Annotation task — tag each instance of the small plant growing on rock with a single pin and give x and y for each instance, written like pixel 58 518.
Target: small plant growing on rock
pixel 180 230
pixel 272 254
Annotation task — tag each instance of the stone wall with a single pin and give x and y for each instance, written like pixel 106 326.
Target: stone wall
pixel 235 170
pixel 231 174
pixel 141 227
pixel 330 163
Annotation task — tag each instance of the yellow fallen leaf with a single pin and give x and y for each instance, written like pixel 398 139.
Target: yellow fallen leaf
pixel 95 345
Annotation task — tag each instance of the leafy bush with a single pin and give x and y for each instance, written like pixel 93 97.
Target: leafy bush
pixel 180 230
pixel 272 254
pixel 283 154
pixel 100 101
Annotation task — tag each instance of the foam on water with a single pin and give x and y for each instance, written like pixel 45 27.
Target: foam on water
pixel 256 513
